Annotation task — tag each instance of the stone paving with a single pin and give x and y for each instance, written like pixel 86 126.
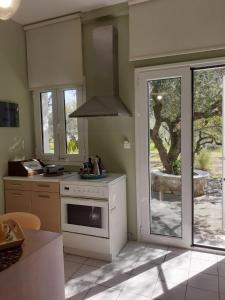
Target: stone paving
pixel 166 215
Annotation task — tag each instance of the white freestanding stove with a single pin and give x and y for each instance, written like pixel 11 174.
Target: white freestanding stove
pixel 94 215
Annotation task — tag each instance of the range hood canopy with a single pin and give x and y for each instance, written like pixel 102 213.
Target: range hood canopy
pixel 100 106
pixel 106 101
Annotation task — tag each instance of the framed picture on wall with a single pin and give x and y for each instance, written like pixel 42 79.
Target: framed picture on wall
pixel 9 114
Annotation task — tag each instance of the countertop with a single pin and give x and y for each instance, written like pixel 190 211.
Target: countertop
pixel 70 178
pixel 39 273
pixel 40 177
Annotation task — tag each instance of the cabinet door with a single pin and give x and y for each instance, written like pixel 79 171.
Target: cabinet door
pixel 50 187
pixel 18 185
pixel 47 207
pixel 17 201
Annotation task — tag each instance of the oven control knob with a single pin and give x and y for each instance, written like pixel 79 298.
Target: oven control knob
pixel 66 188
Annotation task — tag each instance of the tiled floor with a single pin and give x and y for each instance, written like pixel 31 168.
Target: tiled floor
pixel 144 271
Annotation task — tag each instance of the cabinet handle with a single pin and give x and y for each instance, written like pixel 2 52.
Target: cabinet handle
pixel 43 185
pixel 43 196
pixel 17 194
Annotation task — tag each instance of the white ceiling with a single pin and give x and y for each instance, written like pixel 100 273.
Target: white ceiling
pixel 31 11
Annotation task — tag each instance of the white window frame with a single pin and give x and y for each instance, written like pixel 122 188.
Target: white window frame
pixel 141 138
pixel 60 156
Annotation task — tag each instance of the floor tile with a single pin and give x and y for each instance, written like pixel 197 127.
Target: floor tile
pixel 142 268
pixel 81 281
pixel 86 273
pixel 79 296
pixel 75 258
pixel 221 269
pixel 102 293
pixel 132 250
pixel 155 256
pixel 70 268
pixel 183 255
pixel 221 258
pixel 204 256
pixel 142 284
pixel 173 276
pixel 75 288
pixel 156 246
pixel 177 262
pixel 121 265
pixel 202 266
pixel 95 262
pixel 163 292
pixel 205 282
pixel 178 251
pixel 222 285
pixel 124 295
pixel 198 294
pixel 118 280
pixel 145 271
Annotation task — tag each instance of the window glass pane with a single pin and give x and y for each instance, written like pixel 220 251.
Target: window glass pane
pixel 47 122
pixel 208 156
pixel 165 156
pixel 70 104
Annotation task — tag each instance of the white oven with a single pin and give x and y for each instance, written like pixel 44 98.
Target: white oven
pixel 85 216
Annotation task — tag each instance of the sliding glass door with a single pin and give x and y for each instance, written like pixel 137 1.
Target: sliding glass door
pixel 162 154
pixel 180 154
pixel 208 156
pixel 165 160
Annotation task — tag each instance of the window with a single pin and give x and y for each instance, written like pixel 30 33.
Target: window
pixel 59 138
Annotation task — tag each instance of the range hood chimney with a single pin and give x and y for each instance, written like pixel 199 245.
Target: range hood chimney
pixel 106 101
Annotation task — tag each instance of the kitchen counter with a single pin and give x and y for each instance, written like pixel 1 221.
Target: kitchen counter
pixel 39 274
pixel 39 177
pixel 109 179
pixel 69 177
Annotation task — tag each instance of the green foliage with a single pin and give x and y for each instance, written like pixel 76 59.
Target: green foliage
pixel 170 90
pixel 208 90
pixel 72 146
pixel 165 115
pixel 176 165
pixel 204 159
pixel 152 147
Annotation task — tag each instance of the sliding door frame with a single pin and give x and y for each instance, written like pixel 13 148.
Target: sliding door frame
pixel 216 64
pixel 142 75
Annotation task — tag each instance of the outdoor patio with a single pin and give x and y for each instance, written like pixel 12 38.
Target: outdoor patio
pixel 166 215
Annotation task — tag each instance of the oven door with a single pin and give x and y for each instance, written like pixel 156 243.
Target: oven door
pixel 85 216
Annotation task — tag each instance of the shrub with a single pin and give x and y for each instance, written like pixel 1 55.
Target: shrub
pixel 72 146
pixel 176 164
pixel 204 158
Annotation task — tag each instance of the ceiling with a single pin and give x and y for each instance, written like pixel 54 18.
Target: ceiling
pixel 31 11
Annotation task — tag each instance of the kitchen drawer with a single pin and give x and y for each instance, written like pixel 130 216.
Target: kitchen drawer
pixel 16 200
pixel 47 207
pixel 18 185
pixel 49 187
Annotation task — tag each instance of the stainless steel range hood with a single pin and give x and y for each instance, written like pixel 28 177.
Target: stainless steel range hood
pixel 106 101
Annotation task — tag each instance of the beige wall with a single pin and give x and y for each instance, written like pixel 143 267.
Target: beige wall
pixel 106 135
pixel 175 27
pixel 15 143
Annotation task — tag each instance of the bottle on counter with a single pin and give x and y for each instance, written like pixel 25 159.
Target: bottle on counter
pixel 96 169
pixel 100 164
pixel 90 165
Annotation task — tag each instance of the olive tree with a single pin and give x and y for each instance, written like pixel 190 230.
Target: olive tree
pixel 165 114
